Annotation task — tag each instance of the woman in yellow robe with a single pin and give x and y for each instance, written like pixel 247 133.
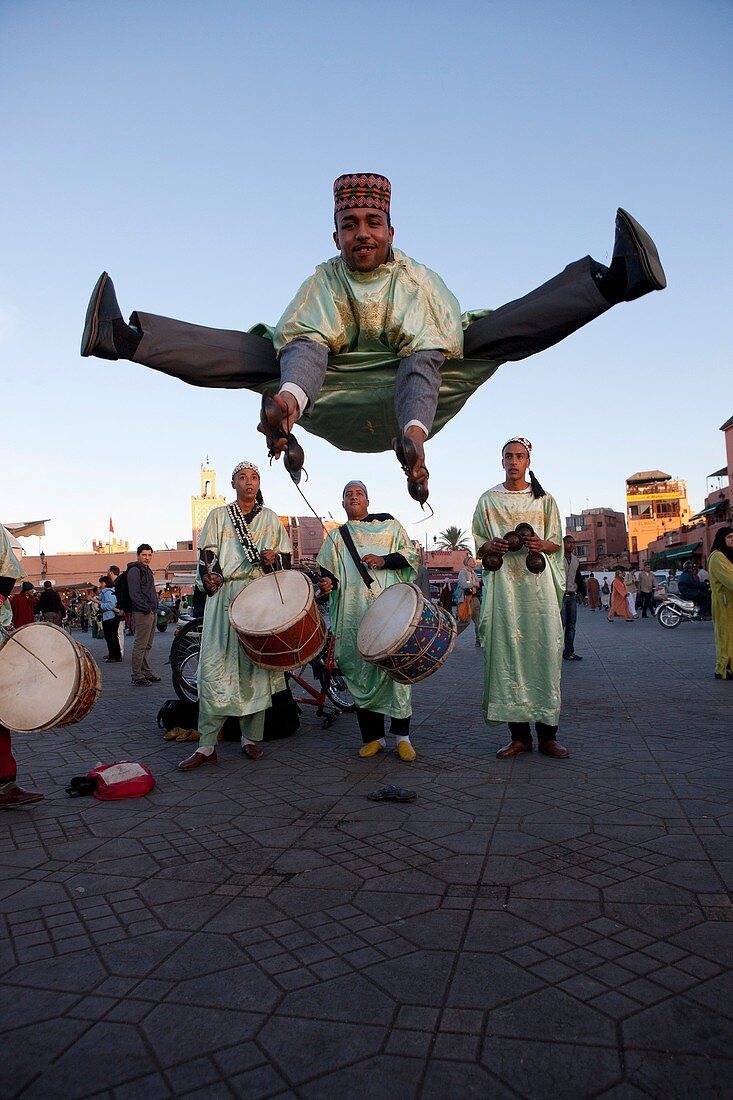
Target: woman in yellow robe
pixel 720 569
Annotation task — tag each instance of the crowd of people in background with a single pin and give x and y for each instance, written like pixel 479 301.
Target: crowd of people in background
pixel 100 609
pixel 627 594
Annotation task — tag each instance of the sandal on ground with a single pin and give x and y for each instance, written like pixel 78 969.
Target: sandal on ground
pixel 392 794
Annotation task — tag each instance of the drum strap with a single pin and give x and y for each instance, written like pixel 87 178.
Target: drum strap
pixel 349 544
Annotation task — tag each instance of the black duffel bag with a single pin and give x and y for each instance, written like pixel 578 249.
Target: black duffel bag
pixel 282 719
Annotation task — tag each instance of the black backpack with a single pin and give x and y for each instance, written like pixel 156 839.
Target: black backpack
pixel 282 719
pixel 122 592
pixel 175 712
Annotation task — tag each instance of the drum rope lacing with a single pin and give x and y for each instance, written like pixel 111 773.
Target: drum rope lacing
pixel 11 638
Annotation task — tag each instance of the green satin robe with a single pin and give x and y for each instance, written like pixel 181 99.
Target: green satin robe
pixel 369 321
pixel 9 567
pixel 372 688
pixel 228 682
pixel 520 627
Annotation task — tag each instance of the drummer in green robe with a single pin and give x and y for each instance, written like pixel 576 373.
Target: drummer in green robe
pixel 239 543
pixel 520 627
pixel 384 555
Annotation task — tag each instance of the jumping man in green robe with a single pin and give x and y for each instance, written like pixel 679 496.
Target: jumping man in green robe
pixel 373 351
pixel 237 544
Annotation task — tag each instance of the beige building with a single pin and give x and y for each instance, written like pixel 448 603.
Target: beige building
pixel 111 546
pixel 655 504
pixel 695 538
pixel 205 502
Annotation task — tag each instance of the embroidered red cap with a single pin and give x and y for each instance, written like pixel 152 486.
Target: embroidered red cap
pixel 361 189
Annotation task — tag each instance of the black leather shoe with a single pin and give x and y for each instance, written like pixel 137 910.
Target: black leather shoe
pixel 102 310
pixel 634 246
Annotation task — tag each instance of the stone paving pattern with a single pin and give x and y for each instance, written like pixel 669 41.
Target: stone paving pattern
pixel 534 929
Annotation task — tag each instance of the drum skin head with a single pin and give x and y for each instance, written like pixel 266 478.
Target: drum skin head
pixel 389 621
pixel 32 695
pixel 259 608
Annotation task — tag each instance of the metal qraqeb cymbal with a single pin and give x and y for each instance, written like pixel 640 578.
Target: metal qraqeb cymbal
pixel 524 530
pixel 536 562
pixel 514 540
pixel 492 561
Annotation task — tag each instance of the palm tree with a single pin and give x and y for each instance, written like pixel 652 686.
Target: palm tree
pixel 453 538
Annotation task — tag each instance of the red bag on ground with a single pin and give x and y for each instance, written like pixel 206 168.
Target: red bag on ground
pixel 121 780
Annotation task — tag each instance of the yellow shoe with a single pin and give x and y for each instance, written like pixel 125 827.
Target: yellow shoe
pixel 172 734
pixel 406 752
pixel 371 748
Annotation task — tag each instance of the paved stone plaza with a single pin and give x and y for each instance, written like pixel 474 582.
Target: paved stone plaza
pixel 535 929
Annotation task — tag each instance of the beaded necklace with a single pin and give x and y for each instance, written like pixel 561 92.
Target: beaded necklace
pixel 236 515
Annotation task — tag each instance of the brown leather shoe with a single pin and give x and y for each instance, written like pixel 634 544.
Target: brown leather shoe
pixel 552 748
pixel 254 752
pixel 196 761
pixel 514 748
pixel 11 796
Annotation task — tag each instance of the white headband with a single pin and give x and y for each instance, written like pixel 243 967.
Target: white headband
pixel 244 466
pixel 518 439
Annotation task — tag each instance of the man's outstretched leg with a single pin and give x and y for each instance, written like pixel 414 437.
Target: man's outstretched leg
pixel 579 294
pixel 201 356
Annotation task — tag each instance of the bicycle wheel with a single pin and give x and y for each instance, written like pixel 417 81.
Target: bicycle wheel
pixel 184 660
pixel 338 692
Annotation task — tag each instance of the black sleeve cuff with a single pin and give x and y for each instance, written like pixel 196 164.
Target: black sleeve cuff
pixel 7 584
pixel 395 561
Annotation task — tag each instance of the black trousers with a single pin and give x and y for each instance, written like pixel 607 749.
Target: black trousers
pixel 228 359
pixel 646 603
pixel 371 725
pixel 110 628
pixel 522 731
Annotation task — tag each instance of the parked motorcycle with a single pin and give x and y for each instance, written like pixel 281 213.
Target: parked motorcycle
pixel 676 610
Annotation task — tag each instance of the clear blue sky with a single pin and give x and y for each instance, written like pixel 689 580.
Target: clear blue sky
pixel 189 149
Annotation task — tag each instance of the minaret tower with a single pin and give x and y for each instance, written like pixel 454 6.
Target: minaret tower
pixel 203 504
